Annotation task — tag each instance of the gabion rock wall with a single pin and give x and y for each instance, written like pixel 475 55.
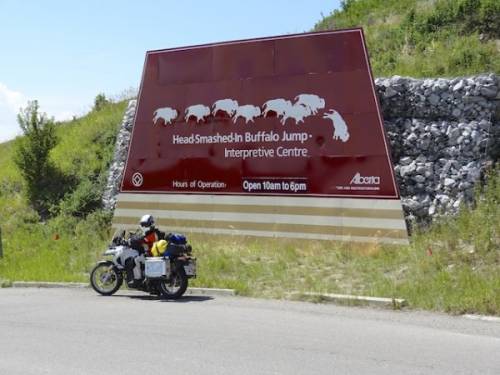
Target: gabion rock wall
pixel 458 99
pixel 119 158
pixel 444 133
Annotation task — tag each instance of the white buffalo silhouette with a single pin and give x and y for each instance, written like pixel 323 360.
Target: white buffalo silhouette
pixel 296 111
pixel 313 102
pixel 249 112
pixel 167 114
pixel 199 111
pixel 229 106
pixel 276 105
pixel 340 129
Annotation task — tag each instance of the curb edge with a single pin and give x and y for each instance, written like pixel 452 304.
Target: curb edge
pixel 394 303
pixel 49 284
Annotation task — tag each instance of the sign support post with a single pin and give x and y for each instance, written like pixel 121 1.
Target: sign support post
pixel 1 248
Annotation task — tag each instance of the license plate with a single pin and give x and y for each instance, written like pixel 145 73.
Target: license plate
pixel 190 268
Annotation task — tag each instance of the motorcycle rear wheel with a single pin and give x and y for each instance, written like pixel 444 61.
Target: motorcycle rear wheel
pixel 175 287
pixel 105 279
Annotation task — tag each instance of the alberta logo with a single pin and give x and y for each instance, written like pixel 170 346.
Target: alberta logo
pixel 365 180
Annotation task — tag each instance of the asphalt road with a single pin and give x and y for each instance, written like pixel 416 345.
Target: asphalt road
pixel 75 331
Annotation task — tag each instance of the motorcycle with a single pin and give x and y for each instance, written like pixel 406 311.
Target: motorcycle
pixel 166 275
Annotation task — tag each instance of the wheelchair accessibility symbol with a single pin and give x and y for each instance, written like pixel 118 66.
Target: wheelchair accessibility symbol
pixel 137 179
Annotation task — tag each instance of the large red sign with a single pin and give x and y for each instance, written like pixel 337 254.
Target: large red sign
pixel 295 114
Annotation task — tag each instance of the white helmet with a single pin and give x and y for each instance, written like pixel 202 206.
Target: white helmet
pixel 146 222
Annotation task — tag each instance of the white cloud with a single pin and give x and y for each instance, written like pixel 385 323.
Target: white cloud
pixel 13 99
pixel 10 103
pixel 64 115
pixel 60 108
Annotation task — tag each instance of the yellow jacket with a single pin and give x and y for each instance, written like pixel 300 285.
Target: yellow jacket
pixel 159 248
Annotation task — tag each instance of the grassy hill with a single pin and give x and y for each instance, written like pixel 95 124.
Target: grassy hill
pixel 65 245
pixel 425 38
pixel 452 266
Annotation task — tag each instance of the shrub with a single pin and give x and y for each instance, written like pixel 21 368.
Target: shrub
pixel 32 157
pixel 100 101
pixel 425 38
pixel 83 200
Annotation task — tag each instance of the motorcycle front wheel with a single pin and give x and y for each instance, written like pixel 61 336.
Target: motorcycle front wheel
pixel 174 287
pixel 105 279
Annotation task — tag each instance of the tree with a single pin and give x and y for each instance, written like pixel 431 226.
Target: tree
pixel 100 101
pixel 32 157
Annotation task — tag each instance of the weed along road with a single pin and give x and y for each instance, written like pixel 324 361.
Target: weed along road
pixel 74 331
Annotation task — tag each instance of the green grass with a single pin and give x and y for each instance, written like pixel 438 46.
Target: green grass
pixel 423 38
pixel 451 280
pixel 60 250
pixel 453 266
pixel 84 154
pixel 86 144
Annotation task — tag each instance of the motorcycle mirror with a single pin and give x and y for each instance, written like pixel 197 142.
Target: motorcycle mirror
pixel 118 236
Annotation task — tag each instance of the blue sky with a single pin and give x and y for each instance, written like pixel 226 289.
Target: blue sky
pixel 63 53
